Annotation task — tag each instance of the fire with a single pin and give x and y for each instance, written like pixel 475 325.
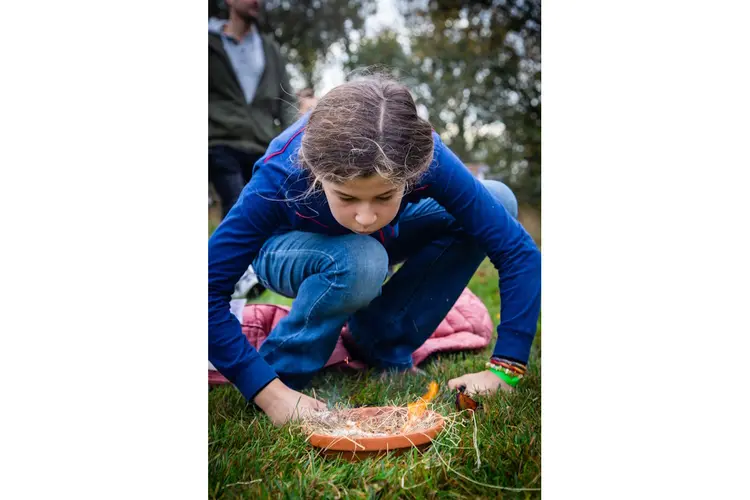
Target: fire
pixel 417 409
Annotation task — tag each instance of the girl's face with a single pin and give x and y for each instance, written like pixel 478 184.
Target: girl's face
pixel 364 205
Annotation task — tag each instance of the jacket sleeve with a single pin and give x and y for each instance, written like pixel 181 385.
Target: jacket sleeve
pixel 508 245
pixel 231 249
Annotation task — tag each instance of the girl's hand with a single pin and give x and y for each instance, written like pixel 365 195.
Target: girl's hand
pixel 484 382
pixel 283 404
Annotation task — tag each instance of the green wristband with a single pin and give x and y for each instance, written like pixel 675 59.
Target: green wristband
pixel 510 380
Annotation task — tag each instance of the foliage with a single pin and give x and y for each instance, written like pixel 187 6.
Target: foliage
pixel 482 61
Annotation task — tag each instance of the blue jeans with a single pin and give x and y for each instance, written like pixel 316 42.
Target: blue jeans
pixel 339 279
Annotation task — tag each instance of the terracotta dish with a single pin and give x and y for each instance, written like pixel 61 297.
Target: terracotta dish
pixel 357 448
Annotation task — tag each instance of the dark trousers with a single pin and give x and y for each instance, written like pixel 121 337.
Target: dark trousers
pixel 229 170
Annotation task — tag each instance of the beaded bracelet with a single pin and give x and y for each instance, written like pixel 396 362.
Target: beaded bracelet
pixel 508 371
pixel 513 366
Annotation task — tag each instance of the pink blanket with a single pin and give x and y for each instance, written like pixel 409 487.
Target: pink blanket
pixel 467 326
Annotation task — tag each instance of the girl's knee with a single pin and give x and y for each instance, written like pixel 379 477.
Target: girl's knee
pixel 504 195
pixel 362 265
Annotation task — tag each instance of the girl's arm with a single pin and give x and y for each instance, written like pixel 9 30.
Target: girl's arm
pixel 508 245
pixel 231 249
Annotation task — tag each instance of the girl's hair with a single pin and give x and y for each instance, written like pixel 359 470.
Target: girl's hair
pixel 365 127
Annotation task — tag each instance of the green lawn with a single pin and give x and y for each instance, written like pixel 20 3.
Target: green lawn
pixel 249 458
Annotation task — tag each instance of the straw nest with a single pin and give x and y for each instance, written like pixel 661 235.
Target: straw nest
pixel 358 423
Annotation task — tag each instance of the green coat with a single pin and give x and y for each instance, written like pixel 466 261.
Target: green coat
pixel 231 120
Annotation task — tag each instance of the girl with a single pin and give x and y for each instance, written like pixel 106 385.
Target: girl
pixel 361 183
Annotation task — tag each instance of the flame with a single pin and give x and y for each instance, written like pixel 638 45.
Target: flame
pixel 418 408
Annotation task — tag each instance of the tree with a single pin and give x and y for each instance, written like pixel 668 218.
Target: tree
pixel 307 29
pixel 482 60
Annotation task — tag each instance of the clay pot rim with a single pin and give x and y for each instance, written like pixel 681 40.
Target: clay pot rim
pixel 385 443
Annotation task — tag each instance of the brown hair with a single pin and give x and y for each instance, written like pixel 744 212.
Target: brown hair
pixel 365 127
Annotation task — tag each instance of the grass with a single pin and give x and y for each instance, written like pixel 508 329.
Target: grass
pixel 249 458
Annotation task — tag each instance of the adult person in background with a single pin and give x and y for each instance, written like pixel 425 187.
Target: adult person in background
pixel 250 100
pixel 307 100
